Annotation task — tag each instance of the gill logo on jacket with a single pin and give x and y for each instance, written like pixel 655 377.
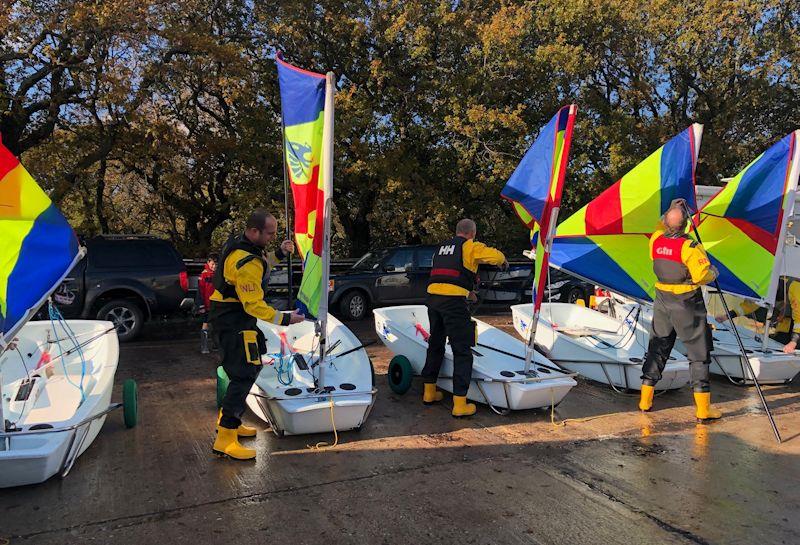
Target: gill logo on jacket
pixel 447 250
pixel 664 251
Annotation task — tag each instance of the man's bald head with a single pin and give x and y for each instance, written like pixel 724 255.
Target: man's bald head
pixel 466 228
pixel 675 220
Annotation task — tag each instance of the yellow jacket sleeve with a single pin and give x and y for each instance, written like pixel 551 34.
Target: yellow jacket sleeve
pixel 794 301
pixel 251 294
pixel 696 260
pixel 479 253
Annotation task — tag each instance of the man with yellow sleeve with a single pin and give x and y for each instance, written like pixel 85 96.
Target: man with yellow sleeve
pixel 785 317
pixel 455 265
pixel 236 304
pixel 681 266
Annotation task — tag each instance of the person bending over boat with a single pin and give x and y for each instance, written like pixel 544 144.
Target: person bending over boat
pixel 785 317
pixel 681 266
pixel 236 304
pixel 452 281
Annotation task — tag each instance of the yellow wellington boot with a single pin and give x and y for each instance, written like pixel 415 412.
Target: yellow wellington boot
pixel 646 400
pixel 242 431
pixel 462 408
pixel 228 445
pixel 704 410
pixel 431 394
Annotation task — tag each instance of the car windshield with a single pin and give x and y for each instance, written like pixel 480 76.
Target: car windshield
pixel 370 261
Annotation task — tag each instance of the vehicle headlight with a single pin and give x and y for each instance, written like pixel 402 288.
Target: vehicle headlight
pixel 557 285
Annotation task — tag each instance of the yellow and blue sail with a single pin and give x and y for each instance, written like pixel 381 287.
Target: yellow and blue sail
pixel 303 107
pixel 37 246
pixel 607 241
pixel 742 226
pixel 536 185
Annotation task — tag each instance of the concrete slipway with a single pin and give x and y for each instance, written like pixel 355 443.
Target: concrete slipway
pixel 416 475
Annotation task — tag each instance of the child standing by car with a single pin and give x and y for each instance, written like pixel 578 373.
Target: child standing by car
pixel 205 288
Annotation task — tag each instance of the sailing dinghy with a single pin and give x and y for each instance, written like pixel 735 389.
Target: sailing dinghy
pixel 597 346
pixel 606 243
pixel 498 371
pixel 56 376
pixel 317 376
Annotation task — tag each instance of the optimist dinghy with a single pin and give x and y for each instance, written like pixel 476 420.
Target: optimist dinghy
pixel 498 377
pixel 770 364
pixel 597 346
pixel 58 397
pixel 317 376
pixel 285 394
pixel 56 376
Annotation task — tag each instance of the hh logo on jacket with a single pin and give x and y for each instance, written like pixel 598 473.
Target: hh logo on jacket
pixel 447 250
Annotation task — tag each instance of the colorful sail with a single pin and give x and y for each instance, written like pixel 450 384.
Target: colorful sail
pixel 303 109
pixel 535 188
pixel 743 225
pixel 607 241
pixel 37 246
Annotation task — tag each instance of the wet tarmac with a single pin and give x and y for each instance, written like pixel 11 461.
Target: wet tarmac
pixel 594 471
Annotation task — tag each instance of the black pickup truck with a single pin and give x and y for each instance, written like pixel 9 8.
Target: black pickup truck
pixel 125 279
pixel 399 276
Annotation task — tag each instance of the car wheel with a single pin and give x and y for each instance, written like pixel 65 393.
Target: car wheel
pixel 575 294
pixel 126 316
pixel 354 305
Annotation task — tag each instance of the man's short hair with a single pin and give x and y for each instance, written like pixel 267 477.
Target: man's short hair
pixel 258 219
pixel 466 226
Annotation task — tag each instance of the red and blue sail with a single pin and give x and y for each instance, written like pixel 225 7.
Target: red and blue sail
pixel 536 185
pixel 743 225
pixel 607 241
pixel 37 246
pixel 302 107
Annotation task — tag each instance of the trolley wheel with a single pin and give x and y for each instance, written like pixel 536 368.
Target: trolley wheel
pixel 130 403
pixel 400 374
pixel 222 385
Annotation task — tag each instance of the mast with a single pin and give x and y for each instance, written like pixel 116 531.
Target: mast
pixel 547 242
pixel 289 286
pixel 327 182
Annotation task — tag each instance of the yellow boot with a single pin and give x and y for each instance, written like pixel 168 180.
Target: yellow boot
pixel 704 410
pixel 228 445
pixel 242 431
pixel 646 400
pixel 431 394
pixel 462 408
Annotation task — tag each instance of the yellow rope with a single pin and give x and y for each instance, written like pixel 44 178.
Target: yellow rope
pixel 324 445
pixel 563 423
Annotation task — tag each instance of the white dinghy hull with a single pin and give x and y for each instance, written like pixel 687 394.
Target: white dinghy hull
pixel 588 342
pixel 296 408
pixel 771 366
pixel 34 458
pixel 498 379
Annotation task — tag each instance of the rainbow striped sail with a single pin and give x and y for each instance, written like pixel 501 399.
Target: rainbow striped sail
pixel 37 246
pixel 607 241
pixel 303 109
pixel 743 225
pixel 536 185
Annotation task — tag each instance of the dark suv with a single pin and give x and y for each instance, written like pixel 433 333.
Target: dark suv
pixel 125 279
pixel 399 276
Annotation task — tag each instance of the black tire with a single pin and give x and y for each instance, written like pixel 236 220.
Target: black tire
pixel 354 305
pixel 126 315
pixel 575 294
pixel 400 374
